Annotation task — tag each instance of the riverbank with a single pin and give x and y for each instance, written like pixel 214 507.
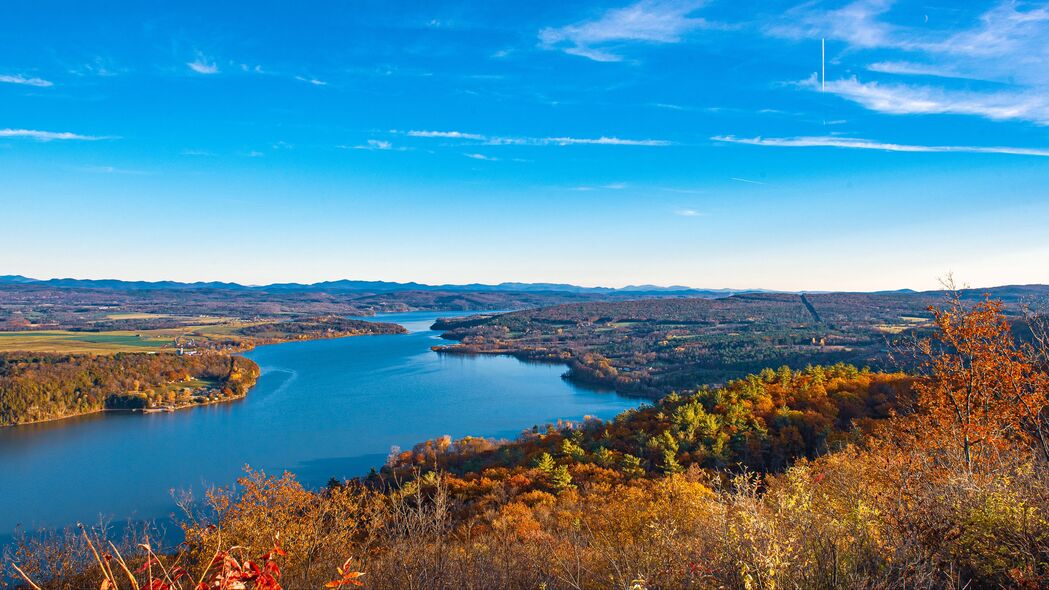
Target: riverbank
pixel 26 376
pixel 46 387
pixel 320 409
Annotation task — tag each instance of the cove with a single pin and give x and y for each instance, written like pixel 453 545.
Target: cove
pixel 321 409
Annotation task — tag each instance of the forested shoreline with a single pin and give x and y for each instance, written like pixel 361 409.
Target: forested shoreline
pixel 191 371
pixel 652 347
pixel 824 477
pixel 38 387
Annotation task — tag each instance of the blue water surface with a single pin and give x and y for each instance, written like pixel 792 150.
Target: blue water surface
pixel 321 409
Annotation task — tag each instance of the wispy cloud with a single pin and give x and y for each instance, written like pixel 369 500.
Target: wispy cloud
pixel 196 152
pixel 375 144
pixel 1005 44
pixel 19 79
pixel 535 141
pixel 50 135
pixel 651 21
pixel 688 213
pixel 481 157
pixel 587 141
pixel 669 107
pixel 907 68
pixel 909 99
pixel 866 144
pixel 203 65
pixel 110 170
pixel 612 186
pixel 856 23
pixel 101 66
pixel 313 81
pixel 747 180
pixel 446 134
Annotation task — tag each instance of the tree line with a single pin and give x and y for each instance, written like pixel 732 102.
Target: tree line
pixel 47 386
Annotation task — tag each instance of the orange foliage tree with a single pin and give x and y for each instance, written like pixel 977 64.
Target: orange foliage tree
pixel 983 388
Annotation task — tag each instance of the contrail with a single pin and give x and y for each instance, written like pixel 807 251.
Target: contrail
pixel 746 180
pixel 823 63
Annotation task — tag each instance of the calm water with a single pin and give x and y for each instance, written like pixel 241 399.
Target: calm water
pixel 320 409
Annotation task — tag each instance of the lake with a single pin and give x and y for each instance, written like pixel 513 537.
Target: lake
pixel 321 409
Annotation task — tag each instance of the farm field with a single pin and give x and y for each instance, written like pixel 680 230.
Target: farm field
pixel 110 342
pixel 62 341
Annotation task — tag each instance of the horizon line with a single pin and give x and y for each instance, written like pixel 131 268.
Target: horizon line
pixel 628 287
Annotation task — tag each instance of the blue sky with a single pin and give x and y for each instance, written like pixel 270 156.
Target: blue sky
pixel 609 144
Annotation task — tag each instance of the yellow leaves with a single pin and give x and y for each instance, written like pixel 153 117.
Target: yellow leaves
pixel 517 520
pixel 347 577
pixel 537 498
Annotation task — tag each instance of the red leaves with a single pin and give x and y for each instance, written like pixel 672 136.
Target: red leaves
pixel 234 575
pixel 152 560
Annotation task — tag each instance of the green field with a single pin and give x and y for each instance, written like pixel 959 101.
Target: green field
pixel 64 341
pixel 83 342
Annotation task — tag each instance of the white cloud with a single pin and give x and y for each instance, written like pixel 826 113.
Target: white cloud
pixel 688 213
pixel 866 144
pixel 612 186
pixel 203 65
pixel 19 79
pixel 1005 44
pixel 1004 30
pixel 99 66
pixel 856 23
pixel 446 134
pixel 376 144
pixel 652 21
pixel 313 81
pixel 908 99
pixel 562 141
pixel 747 180
pixel 49 135
pixel 599 141
pixel 481 157
pixel 906 68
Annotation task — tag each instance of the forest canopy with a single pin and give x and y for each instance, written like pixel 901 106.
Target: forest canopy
pixel 824 477
pixel 40 386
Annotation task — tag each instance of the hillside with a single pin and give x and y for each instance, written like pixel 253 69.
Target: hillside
pixel 829 477
pixel 652 346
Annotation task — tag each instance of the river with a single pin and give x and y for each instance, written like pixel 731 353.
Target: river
pixel 321 409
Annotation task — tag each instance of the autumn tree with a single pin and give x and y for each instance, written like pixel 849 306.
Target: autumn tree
pixel 983 389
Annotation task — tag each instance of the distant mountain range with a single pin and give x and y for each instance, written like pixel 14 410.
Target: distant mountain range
pixel 346 285
pixel 1006 292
